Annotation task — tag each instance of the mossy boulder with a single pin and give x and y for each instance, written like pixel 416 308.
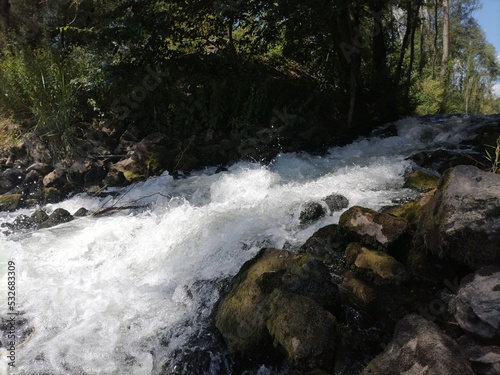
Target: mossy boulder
pixel 372 228
pixel 39 216
pixel 358 292
pixel 305 331
pixel 10 202
pixel 421 181
pixel 462 220
pixel 411 211
pixel 274 286
pixel 375 265
pixel 325 244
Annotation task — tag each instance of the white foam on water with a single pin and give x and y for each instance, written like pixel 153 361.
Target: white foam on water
pixel 99 292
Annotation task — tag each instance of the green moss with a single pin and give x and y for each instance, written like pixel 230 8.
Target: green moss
pixel 10 202
pixel 411 211
pixel 421 181
pixel 375 264
pixel 133 176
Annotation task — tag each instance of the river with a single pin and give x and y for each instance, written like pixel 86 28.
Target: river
pixel 98 295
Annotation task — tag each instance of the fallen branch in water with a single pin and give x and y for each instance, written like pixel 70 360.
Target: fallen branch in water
pixel 104 211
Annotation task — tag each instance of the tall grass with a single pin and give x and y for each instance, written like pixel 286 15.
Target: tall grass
pixel 43 86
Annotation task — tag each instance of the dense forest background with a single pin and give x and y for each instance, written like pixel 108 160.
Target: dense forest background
pixel 234 66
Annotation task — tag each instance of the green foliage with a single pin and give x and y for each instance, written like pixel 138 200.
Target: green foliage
pixel 430 92
pixel 237 66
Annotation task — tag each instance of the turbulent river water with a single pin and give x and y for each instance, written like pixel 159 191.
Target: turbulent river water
pixel 99 295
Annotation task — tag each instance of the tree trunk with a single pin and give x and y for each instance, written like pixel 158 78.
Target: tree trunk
pixel 5 13
pixel 446 39
pixel 412 49
pixel 435 48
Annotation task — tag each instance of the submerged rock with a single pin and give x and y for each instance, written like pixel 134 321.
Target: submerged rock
pixel 462 220
pixel 336 202
pixel 477 304
pixel 281 303
pixel 419 347
pixel 311 212
pixel 39 216
pixel 57 217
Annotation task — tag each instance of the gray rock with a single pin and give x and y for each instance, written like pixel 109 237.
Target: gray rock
pixel 5 185
pixel 484 360
pixel 311 212
pixel 417 348
pixel 54 178
pixel 336 202
pixel 374 265
pixel 36 148
pixel 82 211
pixel 477 304
pixel 372 228
pixel 39 216
pixel 462 220
pixel 15 175
pixel 57 217
pixel 41 168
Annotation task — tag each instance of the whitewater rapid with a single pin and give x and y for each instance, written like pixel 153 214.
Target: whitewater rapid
pixel 99 294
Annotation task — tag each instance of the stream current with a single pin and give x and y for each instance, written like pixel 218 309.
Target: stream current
pixel 98 295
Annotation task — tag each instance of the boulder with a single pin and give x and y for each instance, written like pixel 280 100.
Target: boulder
pixel 15 175
pixel 477 304
pixel 38 217
pixel 324 243
pixel 358 292
pixel 372 228
pixel 55 178
pixel 281 303
pixel 5 185
pixel 462 220
pixel 57 217
pixel 305 331
pixel 10 202
pixel 82 211
pixel 421 181
pixel 410 211
pixel 311 212
pixel 20 222
pixel 95 174
pixel 375 265
pixel 484 360
pixel 336 202
pixel 419 347
pixel 42 168
pixel 131 169
pixel 36 148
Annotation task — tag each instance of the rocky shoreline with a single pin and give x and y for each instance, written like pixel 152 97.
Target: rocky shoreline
pixel 374 294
